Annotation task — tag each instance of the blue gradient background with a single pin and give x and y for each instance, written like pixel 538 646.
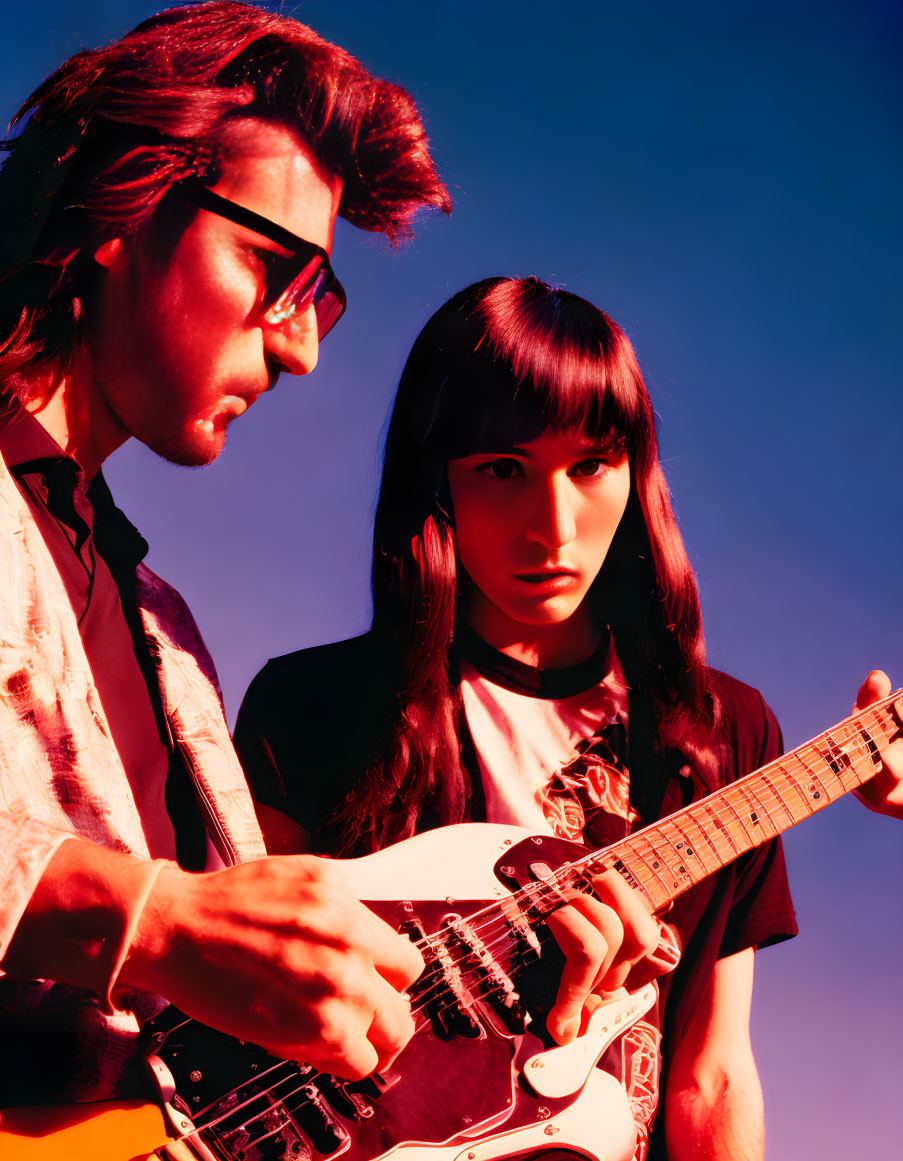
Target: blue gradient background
pixel 724 179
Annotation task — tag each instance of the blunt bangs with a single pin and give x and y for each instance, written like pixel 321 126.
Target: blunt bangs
pixel 529 359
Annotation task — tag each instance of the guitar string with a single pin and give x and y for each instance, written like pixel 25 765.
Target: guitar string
pixel 558 880
pixel 216 1123
pixel 289 1066
pixel 768 799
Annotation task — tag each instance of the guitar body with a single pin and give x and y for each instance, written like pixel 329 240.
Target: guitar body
pixel 480 1079
pixel 473 1083
pixel 122 1131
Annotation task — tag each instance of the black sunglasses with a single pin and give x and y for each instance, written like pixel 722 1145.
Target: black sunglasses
pixel 295 282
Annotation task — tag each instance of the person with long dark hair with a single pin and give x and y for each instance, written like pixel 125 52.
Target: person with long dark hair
pixel 537 657
pixel 169 202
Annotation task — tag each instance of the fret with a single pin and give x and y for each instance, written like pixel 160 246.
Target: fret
pixel 628 864
pixel 678 878
pixel 675 859
pixel 838 761
pixel 871 746
pixel 703 846
pixel 764 793
pixel 739 817
pixel 689 862
pixel 770 782
pixel 812 773
pixel 758 813
pixel 781 766
pixel 671 881
pixel 692 813
pixel 660 863
pixel 720 827
pixel 650 863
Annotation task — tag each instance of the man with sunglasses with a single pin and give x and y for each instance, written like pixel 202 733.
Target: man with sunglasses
pixel 169 206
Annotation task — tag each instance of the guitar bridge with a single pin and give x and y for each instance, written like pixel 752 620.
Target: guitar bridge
pixel 230 1101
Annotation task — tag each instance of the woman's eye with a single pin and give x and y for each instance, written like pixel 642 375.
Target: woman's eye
pixel 501 469
pixel 589 468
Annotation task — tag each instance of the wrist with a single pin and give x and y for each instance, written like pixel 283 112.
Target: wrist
pixel 82 917
pixel 142 966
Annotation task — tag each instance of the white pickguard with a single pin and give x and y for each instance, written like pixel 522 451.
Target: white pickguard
pixel 598 1125
pixel 455 863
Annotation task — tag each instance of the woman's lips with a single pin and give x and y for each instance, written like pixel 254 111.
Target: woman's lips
pixel 551 579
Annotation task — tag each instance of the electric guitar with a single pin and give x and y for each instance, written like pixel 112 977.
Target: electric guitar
pixel 480 1078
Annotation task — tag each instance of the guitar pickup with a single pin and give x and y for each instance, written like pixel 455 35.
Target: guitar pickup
pixel 439 988
pixel 494 986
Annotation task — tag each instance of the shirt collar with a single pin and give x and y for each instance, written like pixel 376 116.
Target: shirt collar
pixel 24 442
pixel 515 675
pixel 24 439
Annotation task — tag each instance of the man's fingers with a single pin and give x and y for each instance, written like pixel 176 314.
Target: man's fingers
pixel 392 1025
pixel 395 957
pixel 341 1045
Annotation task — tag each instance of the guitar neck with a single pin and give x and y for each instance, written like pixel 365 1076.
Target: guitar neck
pixel 665 859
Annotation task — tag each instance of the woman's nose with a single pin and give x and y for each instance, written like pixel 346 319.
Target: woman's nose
pixel 552 521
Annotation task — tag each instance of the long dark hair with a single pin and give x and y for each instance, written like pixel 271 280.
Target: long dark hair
pixel 105 137
pixel 502 361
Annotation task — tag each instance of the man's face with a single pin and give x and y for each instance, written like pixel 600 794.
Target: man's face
pixel 180 346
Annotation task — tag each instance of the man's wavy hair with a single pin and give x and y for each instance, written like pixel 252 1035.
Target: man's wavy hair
pixel 502 362
pixel 105 137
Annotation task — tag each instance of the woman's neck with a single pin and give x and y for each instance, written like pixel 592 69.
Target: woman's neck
pixel 552 646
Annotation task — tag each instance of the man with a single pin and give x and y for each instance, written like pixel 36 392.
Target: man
pixel 169 212
pixel 142 297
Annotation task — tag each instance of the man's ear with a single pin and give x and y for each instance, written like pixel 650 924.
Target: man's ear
pixel 107 252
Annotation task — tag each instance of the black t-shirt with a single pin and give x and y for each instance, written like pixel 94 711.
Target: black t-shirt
pixel 312 721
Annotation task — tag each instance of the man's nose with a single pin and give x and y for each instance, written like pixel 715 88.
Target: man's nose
pixel 552 520
pixel 293 343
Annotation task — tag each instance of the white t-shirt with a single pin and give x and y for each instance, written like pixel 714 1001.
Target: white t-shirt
pixel 523 739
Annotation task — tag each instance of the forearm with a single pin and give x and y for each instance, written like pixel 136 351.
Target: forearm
pixel 718 1117
pixel 713 1101
pixel 79 922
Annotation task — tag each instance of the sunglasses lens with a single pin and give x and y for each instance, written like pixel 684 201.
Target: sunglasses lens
pixel 314 285
pixel 330 308
pixel 298 296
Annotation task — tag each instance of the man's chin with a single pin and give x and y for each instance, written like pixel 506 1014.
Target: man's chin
pixel 194 449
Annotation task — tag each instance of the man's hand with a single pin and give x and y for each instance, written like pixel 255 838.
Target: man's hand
pixel 280 953
pixel 604 940
pixel 884 792
pixel 277 952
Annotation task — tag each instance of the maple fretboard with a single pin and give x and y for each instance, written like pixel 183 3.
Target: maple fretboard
pixel 665 859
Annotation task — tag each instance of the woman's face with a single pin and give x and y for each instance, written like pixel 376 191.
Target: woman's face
pixel 533 525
